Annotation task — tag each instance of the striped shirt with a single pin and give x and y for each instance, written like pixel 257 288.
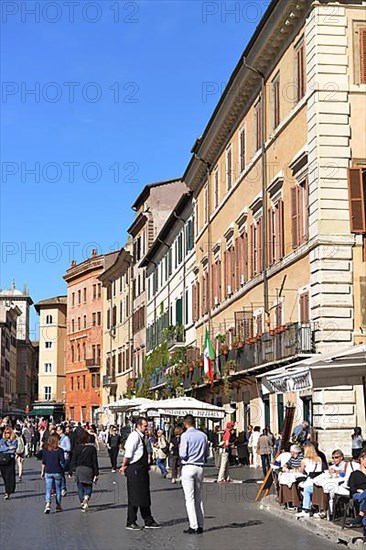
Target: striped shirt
pixel 295 462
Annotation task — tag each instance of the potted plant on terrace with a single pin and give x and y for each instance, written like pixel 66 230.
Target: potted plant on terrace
pixel 230 367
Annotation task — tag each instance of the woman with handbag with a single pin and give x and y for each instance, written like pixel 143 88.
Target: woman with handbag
pixel 85 465
pixel 8 447
pixel 162 447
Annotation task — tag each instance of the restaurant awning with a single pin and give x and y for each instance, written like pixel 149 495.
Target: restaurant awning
pixel 342 366
pixel 46 410
pixel 294 379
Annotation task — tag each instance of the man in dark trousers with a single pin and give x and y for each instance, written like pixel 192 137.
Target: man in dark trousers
pixel 113 444
pixel 135 467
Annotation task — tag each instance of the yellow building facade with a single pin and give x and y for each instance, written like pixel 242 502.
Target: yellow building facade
pixel 280 265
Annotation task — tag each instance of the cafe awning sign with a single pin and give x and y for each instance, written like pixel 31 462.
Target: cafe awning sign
pixel 289 381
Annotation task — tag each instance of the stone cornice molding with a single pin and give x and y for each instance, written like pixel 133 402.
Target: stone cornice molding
pixel 272 35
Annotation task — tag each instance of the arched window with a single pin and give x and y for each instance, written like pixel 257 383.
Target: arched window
pixel 72 353
pixel 78 353
pixel 48 319
pixel 84 351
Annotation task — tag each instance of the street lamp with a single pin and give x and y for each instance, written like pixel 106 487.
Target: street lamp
pixel 264 184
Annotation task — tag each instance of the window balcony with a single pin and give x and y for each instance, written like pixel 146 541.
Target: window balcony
pixel 158 379
pixel 176 341
pixel 92 363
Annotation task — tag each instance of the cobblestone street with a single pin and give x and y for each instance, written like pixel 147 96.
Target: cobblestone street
pixel 233 520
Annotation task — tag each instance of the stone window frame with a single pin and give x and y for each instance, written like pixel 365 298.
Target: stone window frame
pixel 356 26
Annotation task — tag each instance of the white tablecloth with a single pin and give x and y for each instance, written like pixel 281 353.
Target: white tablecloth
pixel 288 478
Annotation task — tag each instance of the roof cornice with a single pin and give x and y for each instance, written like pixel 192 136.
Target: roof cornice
pixel 273 32
pixel 123 261
pixel 137 225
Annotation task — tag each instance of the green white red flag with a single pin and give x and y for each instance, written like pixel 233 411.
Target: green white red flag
pixel 208 357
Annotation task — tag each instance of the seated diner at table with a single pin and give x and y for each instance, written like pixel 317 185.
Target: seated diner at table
pixel 357 484
pixel 295 459
pixel 311 466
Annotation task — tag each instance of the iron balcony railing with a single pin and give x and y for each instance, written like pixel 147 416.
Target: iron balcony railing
pixel 279 344
pixel 176 339
pixel 158 378
pixel 93 362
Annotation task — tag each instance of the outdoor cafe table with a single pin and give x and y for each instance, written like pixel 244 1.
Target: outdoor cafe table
pixel 325 487
pixel 289 490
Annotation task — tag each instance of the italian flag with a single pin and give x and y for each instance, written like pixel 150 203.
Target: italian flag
pixel 208 357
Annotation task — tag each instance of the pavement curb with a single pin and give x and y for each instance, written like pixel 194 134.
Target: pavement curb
pixel 327 530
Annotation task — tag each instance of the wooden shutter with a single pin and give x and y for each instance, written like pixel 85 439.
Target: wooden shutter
pixel 295 216
pixel 225 274
pixel 363 55
pixel 242 150
pixel 258 125
pixel 278 315
pixel 178 312
pixel 269 243
pixel 259 323
pixel 229 168
pixel 245 256
pixel 219 294
pixel 213 285
pixel 248 325
pixel 280 233
pixel 304 308
pixel 259 246
pixel 150 232
pixel 232 268
pixel 194 303
pixel 236 262
pixel 252 252
pixel 356 193
pixel 198 311
pixel 305 211
pixel 300 54
pixel 208 282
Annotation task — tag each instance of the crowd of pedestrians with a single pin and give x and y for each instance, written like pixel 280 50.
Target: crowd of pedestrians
pixel 70 449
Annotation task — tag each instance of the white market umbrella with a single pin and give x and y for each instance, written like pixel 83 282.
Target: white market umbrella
pixel 139 404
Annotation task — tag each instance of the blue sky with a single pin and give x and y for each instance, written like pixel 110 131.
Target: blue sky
pixel 118 103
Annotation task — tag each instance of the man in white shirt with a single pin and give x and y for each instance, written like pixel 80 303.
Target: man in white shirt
pixel 135 467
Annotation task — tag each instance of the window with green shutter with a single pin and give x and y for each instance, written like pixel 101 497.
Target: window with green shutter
pixel 178 312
